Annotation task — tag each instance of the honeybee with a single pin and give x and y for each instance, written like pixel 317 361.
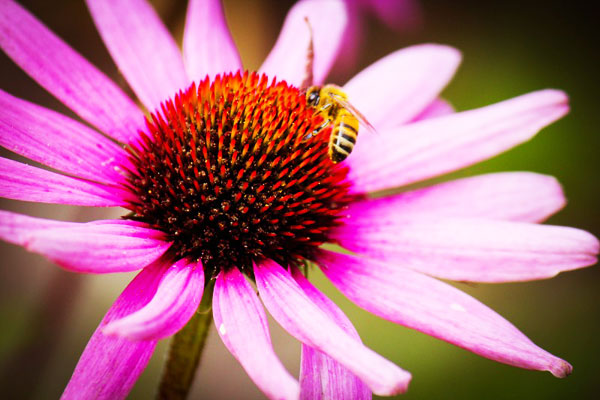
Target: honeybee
pixel 332 103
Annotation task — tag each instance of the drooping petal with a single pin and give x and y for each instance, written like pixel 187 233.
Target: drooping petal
pixel 176 300
pixel 242 324
pixel 208 48
pixel 98 248
pixel 513 196
pixel 23 182
pixel 17 228
pixel 438 108
pixel 321 377
pixel 398 87
pixel 470 249
pixel 66 74
pixel 80 246
pixel 437 309
pixel 436 146
pixel 298 315
pixel 288 58
pixel 110 365
pixel 142 48
pixel 57 141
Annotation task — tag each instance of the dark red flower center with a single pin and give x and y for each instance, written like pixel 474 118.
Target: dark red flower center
pixel 229 172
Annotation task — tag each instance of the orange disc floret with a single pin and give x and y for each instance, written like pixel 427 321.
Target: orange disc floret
pixel 231 171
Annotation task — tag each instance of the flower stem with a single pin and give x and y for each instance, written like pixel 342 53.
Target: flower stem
pixel 185 352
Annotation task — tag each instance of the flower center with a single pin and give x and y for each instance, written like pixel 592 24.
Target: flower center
pixel 230 172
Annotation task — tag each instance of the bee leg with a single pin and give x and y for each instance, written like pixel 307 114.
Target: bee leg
pixel 313 133
pixel 316 131
pixel 310 57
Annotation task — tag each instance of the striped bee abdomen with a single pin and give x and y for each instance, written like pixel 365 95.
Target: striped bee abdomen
pixel 343 136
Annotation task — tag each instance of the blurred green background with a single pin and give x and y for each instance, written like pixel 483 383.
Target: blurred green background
pixel 509 48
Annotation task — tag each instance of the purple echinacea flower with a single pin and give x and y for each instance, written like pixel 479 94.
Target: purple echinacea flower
pixel 222 182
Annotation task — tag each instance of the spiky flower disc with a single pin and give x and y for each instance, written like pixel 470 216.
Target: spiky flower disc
pixel 229 171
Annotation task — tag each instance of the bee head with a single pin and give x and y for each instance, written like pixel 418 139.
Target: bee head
pixel 313 96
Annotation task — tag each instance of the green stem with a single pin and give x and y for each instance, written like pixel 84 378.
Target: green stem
pixel 185 352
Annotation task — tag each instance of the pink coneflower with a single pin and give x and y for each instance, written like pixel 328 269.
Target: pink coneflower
pixel 224 181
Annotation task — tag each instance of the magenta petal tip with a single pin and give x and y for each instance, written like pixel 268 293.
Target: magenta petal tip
pixel 561 369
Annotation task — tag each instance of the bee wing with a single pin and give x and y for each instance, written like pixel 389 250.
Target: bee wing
pixel 361 118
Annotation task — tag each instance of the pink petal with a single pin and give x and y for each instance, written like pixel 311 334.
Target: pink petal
pixel 287 60
pixel 98 248
pixel 397 14
pixel 57 141
pixel 437 309
pixel 142 48
pixel 436 146
pixel 23 182
pixel 438 108
pixel 242 324
pixel 304 320
pixel 176 300
pixel 66 74
pixel 110 365
pixel 208 48
pixel 401 85
pixel 514 196
pixel 469 249
pixel 321 377
pixel 17 228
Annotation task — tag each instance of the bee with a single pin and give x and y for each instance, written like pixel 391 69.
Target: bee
pixel 333 105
